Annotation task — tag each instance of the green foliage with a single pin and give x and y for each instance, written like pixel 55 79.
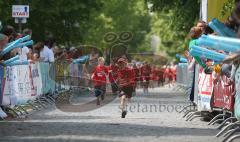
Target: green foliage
pixel 172 22
pixel 227 7
pixel 65 20
pixel 87 21
pixel 83 21
pixel 118 16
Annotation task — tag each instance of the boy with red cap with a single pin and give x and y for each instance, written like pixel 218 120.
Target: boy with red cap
pixel 99 78
pixel 125 81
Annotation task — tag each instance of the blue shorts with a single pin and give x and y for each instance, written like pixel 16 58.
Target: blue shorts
pixel 99 90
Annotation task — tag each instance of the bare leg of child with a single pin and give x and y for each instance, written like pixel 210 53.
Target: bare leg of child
pixel 123 105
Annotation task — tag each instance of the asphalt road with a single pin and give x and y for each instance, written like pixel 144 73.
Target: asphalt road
pixel 151 118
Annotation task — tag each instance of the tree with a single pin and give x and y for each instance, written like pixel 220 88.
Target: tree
pixel 64 20
pixel 119 16
pixel 172 21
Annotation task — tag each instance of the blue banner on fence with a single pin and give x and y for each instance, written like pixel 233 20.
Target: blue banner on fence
pixel 1 83
pixel 44 70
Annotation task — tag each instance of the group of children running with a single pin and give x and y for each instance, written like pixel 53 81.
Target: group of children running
pixel 125 77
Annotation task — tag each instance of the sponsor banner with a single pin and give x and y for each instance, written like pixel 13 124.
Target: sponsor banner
pixel 237 95
pixel 205 87
pixel 36 77
pixel 223 97
pixel 2 82
pixel 19 85
pixel 44 70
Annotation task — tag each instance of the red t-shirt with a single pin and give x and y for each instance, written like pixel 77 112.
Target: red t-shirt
pixel 113 73
pixel 167 73
pixel 145 72
pixel 99 75
pixel 174 72
pixel 126 77
pixel 160 73
pixel 136 73
pixel 154 74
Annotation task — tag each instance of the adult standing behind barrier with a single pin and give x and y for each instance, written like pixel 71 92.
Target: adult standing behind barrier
pixel 195 33
pixel 46 54
pixel 90 65
pixel 10 32
pixel 3 41
pixel 36 50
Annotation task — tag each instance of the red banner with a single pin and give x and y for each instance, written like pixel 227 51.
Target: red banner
pixel 223 97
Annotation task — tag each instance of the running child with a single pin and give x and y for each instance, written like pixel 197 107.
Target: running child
pixel 99 77
pixel 137 75
pixel 113 69
pixel 125 81
pixel 145 76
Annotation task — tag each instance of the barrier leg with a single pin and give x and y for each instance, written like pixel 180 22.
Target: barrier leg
pixel 196 116
pixel 230 119
pixel 18 110
pixel 233 138
pixel 218 121
pixel 33 106
pixel 188 112
pixel 44 102
pixel 231 133
pixel 226 128
pixel 48 101
pixel 190 115
pixel 215 118
pixel 39 104
pixel 185 108
pixel 13 111
pixel 50 97
pixel 193 115
pixel 22 108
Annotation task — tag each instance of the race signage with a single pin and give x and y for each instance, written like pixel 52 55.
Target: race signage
pixel 20 11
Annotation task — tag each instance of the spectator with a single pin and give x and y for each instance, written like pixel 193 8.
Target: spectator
pixel 10 32
pixel 27 32
pixel 3 41
pixel 59 54
pixel 46 54
pixel 37 48
pixel 24 52
pixel 99 77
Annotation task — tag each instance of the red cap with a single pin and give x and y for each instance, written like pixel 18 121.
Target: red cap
pixel 122 60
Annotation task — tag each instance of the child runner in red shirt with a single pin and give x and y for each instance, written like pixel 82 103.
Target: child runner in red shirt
pixel 125 81
pixel 113 68
pixel 99 78
pixel 145 75
pixel 154 76
pixel 137 75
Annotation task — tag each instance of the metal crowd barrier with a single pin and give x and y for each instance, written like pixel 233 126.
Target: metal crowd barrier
pixel 220 97
pixel 184 78
pixel 34 86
